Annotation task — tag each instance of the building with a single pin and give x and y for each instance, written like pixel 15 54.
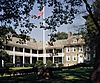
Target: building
pixel 69 51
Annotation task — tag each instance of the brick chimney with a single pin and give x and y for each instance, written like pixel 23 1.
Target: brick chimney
pixel 70 34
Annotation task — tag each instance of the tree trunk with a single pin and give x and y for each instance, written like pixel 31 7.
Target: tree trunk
pixel 96 73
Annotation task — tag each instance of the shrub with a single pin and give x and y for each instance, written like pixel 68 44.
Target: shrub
pixel 60 65
pixel 53 65
pixel 49 63
pixel 39 64
pixel 26 65
pixel 8 65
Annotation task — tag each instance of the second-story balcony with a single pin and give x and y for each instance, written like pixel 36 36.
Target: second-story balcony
pixel 34 55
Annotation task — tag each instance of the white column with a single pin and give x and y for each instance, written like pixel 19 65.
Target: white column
pixel 37 56
pixel 23 56
pixel 14 55
pixel 31 56
pixel 62 56
pixel 2 63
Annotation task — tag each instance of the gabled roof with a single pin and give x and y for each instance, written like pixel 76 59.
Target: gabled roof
pixel 39 45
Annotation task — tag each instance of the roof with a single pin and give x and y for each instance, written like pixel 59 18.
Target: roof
pixel 72 41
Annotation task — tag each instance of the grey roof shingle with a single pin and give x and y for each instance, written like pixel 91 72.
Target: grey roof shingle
pixel 39 45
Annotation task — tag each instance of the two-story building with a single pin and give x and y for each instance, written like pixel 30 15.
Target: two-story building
pixel 69 51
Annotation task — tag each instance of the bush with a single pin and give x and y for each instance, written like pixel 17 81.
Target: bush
pixel 8 65
pixel 28 65
pixel 60 65
pixel 39 64
pixel 53 65
pixel 49 63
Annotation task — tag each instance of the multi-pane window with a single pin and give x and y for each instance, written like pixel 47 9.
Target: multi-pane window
pixel 49 51
pixel 80 49
pixel 40 51
pixel 18 49
pixel 74 58
pixel 59 50
pixel 67 49
pixel 9 48
pixel 73 49
pixel 68 58
pixel 34 51
pixel 27 50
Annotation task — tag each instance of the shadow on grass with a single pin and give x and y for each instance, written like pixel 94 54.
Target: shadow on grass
pixel 64 76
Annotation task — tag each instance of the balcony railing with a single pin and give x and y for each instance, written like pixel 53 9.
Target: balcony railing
pixel 34 55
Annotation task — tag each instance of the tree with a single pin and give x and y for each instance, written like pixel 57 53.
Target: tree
pixel 17 12
pixel 61 35
pixel 39 64
pixel 4 56
pixel 93 37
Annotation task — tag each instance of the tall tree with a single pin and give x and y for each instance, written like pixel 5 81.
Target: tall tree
pixel 61 35
pixel 93 37
pixel 17 12
pixel 4 57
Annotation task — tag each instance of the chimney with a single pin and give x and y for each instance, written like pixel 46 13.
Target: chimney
pixel 70 34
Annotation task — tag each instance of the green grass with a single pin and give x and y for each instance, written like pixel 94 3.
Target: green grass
pixel 77 75
pixel 74 74
pixel 18 68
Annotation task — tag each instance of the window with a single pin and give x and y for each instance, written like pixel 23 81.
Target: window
pixel 74 58
pixel 34 51
pixel 67 49
pixel 49 51
pixel 27 50
pixel 9 48
pixel 18 49
pixel 40 52
pixel 73 49
pixel 59 50
pixel 80 49
pixel 67 58
pixel 87 49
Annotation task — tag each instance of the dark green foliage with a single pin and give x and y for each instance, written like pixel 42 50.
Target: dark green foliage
pixel 16 12
pixel 28 65
pixel 4 56
pixel 39 64
pixel 61 35
pixel 8 65
pixel 60 65
pixel 49 63
pixel 63 12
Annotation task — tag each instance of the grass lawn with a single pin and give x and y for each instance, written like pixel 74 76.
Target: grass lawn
pixel 18 68
pixel 74 74
pixel 78 75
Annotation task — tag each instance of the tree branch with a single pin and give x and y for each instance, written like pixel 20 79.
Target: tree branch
pixel 91 15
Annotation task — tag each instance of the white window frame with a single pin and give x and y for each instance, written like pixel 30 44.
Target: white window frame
pixel 73 49
pixel 80 49
pixel 74 56
pixel 68 58
pixel 67 49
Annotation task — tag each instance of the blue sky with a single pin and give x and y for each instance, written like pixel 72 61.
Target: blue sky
pixel 37 33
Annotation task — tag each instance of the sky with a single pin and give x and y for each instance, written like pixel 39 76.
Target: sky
pixel 37 33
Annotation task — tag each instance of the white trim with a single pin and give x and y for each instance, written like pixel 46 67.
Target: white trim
pixel 68 58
